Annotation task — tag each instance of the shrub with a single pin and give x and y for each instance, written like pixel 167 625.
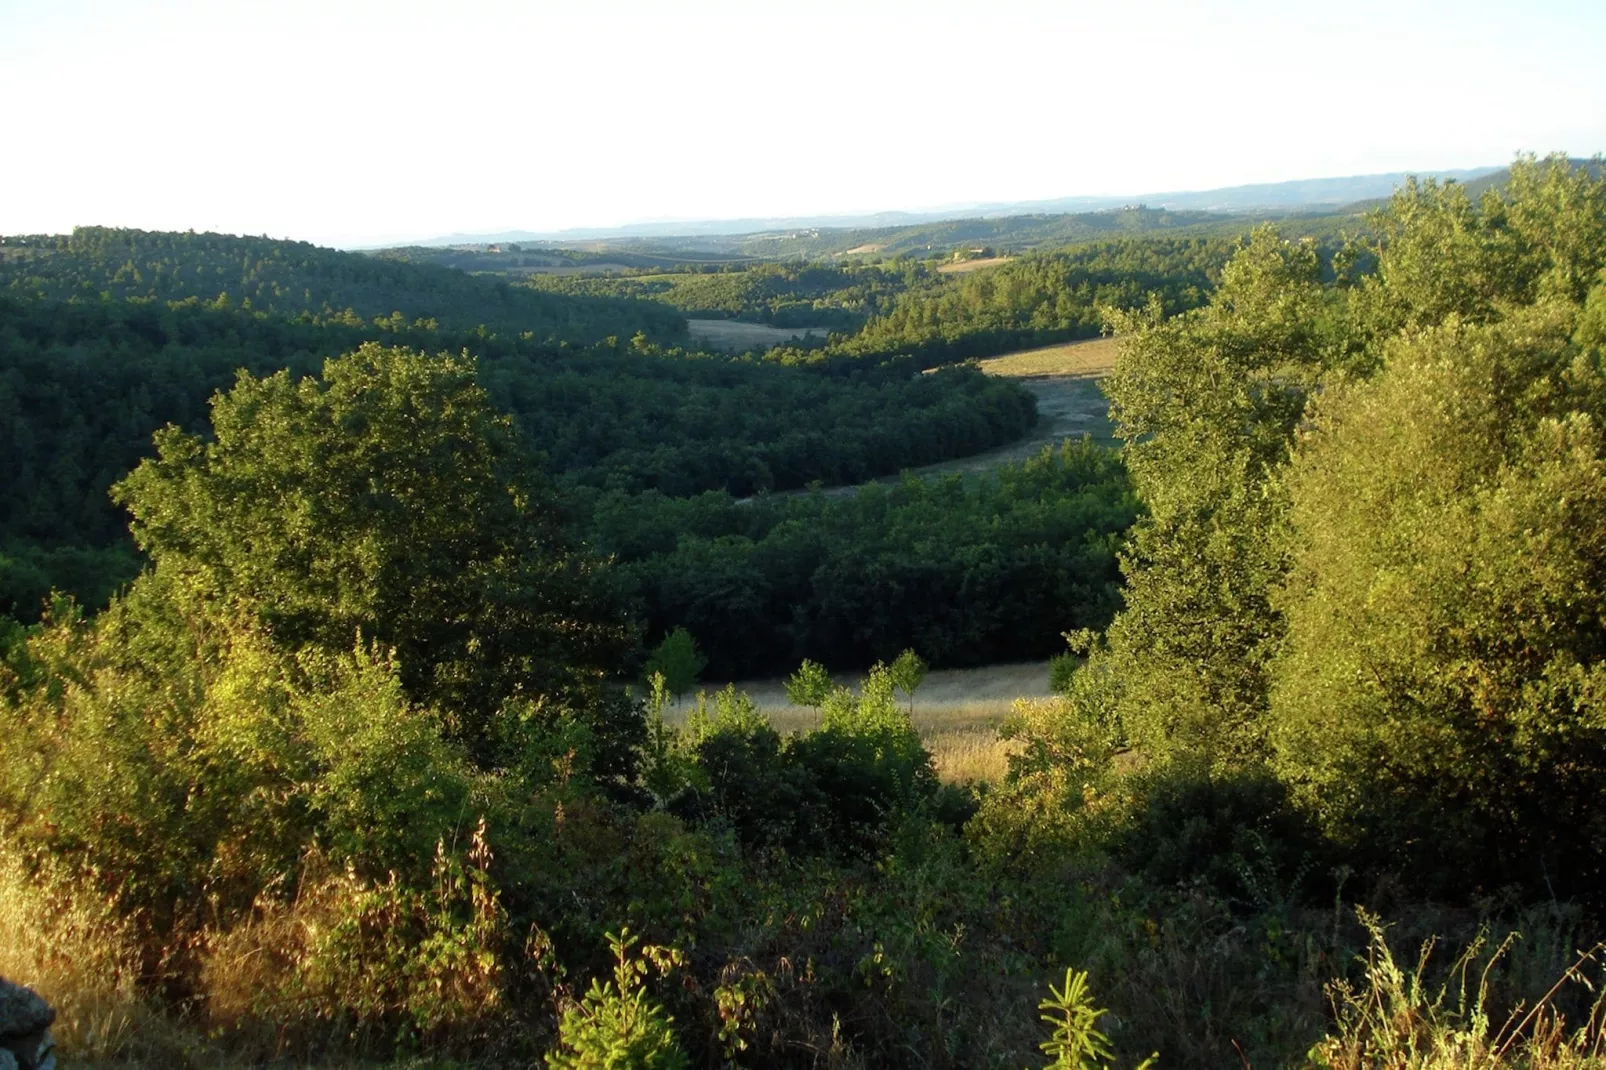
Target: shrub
pixel 616 1025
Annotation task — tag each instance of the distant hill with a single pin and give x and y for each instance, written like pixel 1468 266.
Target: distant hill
pixel 1305 194
pixel 298 280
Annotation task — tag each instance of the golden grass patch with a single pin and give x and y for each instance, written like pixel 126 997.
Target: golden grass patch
pixel 1093 359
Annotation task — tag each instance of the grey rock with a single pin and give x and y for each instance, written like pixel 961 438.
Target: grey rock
pixel 25 1040
pixel 22 1012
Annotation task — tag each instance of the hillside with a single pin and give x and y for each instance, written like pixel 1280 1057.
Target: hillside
pixel 297 280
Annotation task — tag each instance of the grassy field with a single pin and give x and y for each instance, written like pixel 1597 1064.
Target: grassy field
pixel 965 267
pixel 736 336
pixel 1092 359
pixel 956 710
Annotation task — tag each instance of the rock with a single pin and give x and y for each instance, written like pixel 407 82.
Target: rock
pixel 22 1011
pixel 25 1041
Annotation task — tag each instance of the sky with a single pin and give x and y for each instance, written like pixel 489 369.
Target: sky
pixel 348 122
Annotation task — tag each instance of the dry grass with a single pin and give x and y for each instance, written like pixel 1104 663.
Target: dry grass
pixel 735 336
pixel 969 755
pixel 83 959
pixel 1092 359
pixel 964 267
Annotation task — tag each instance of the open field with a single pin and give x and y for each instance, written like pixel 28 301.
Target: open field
pixel 965 267
pixel 736 336
pixel 1091 359
pixel 956 710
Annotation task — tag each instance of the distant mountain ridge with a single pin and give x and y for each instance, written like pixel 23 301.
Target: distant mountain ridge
pixel 1297 194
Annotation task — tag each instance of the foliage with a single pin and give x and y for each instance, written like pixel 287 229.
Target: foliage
pixel 907 672
pixel 1397 1016
pixel 678 661
pixel 1207 402
pixel 616 1026
pixel 85 382
pixel 967 571
pixel 809 685
pixel 295 279
pixel 1042 298
pixel 386 502
pixel 1077 1043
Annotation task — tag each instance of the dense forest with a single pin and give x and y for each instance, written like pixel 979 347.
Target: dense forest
pixel 301 281
pixel 352 770
pixel 968 572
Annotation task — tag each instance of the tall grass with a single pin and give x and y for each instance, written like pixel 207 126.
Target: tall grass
pixel 71 947
pixel 1399 1016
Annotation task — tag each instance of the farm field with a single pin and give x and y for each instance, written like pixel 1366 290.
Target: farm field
pixel 956 710
pixel 735 336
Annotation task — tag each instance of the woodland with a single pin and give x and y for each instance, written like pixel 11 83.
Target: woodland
pixel 339 591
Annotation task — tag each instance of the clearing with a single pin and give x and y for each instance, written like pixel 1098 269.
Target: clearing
pixel 962 267
pixel 735 336
pixel 956 710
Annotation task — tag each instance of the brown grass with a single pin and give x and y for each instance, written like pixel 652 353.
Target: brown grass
pixel 73 950
pixel 736 336
pixel 964 267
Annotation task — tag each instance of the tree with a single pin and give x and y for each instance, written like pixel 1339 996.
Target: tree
pixel 1445 665
pixel 387 501
pixel 907 672
pixel 810 685
pixel 678 660
pixel 1208 403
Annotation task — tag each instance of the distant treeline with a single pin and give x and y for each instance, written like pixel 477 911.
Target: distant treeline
pixel 798 294
pixel 1036 299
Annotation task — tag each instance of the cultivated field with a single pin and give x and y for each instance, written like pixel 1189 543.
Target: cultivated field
pixel 736 336
pixel 956 710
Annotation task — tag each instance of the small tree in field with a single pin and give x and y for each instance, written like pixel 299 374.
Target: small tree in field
pixel 810 685
pixel 908 673
pixel 678 660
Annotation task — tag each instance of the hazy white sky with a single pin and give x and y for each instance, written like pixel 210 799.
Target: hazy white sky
pixel 345 121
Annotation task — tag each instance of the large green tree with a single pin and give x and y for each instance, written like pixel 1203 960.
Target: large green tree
pixel 386 501
pixel 1207 403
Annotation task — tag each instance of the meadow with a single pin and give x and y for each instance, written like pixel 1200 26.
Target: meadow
pixel 735 336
